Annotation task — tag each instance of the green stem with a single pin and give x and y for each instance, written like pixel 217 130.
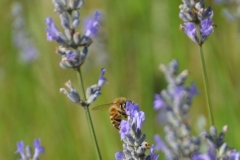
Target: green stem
pixel 88 115
pixel 206 86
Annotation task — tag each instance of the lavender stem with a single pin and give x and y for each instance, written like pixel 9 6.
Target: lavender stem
pixel 88 115
pixel 206 86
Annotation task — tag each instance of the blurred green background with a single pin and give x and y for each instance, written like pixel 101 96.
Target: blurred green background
pixel 138 35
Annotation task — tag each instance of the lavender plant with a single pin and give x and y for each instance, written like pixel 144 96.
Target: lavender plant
pixel 21 37
pixel 198 25
pixel 70 43
pixel 134 144
pixel 28 154
pixel 173 106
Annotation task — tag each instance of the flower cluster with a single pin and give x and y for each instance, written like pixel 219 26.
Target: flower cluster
pixel 218 147
pixel 91 93
pixel 134 144
pixel 27 154
pixel 70 20
pixel 173 106
pixel 197 20
pixel 20 35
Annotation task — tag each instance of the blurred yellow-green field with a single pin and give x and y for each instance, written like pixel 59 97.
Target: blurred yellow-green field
pixel 137 36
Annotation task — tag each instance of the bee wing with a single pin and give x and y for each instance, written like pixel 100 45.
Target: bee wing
pixel 102 107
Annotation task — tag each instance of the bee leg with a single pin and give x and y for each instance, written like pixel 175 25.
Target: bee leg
pixel 123 113
pixel 116 123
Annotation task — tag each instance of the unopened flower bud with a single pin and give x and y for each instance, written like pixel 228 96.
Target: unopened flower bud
pixel 75 19
pixel 72 95
pixel 64 20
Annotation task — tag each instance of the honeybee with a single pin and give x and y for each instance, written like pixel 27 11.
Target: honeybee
pixel 117 111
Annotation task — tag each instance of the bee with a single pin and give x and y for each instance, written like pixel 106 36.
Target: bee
pixel 117 110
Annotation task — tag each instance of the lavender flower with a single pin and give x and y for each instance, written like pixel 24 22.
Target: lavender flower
pixel 20 35
pixel 158 102
pixel 69 17
pixel 72 95
pixel 191 31
pixel 134 146
pixel 194 15
pixel 28 154
pixel 206 29
pixel 94 91
pixel 71 59
pixel 175 102
pixel 92 25
pixel 119 156
pixel 209 156
pixel 54 34
pixel 176 99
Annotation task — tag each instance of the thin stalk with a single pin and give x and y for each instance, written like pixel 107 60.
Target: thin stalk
pixel 88 116
pixel 206 86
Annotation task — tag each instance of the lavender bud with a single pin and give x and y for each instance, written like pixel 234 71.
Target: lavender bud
pixel 213 131
pixel 75 19
pixel 140 140
pixel 72 95
pixel 223 149
pixel 72 59
pixel 64 20
pixel 93 97
pixel 61 50
pixel 29 153
pixel 207 14
pixel 225 129
pixel 180 79
pixel 68 34
pixel 76 4
pixel 83 54
pixel 76 38
pixel 60 5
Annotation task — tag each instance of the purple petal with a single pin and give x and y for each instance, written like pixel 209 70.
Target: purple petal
pixel 52 31
pixel 102 79
pixel 92 25
pixel 152 155
pixel 190 30
pixel 38 148
pixel 124 129
pixel 131 108
pixel 158 103
pixel 206 29
pixel 139 118
pixel 119 156
pixel 193 90
pixel 160 145
pixel 20 149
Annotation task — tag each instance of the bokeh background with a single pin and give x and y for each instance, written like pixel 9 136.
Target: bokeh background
pixel 135 37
